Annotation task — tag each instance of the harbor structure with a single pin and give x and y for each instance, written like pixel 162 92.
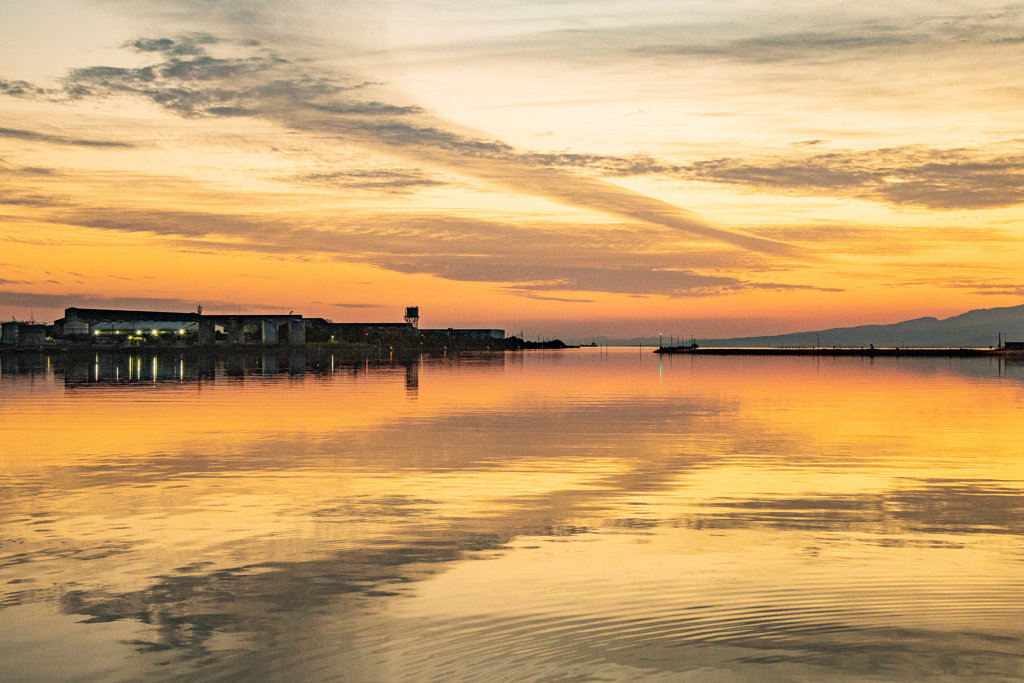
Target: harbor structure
pixel 22 333
pixel 1011 350
pixel 119 327
pixel 139 327
pixel 471 333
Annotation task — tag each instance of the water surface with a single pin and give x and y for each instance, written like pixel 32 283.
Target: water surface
pixel 550 516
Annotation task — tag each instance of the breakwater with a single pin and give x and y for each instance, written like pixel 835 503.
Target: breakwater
pixel 843 351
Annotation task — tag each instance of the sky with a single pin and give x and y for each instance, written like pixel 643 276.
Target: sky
pixel 563 168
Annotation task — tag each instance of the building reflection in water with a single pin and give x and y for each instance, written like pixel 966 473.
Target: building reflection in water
pixel 171 367
pixel 412 378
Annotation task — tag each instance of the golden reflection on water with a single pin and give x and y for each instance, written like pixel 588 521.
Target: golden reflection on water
pixel 512 517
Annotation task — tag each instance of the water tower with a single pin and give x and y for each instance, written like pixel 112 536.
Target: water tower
pixel 412 316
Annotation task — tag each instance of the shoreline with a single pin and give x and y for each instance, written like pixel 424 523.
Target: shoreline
pixel 376 352
pixel 888 352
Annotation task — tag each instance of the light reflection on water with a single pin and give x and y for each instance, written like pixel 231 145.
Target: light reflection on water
pixel 579 515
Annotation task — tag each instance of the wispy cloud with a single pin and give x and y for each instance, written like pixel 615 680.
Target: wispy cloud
pixel 86 299
pixel 387 180
pixel 820 45
pixel 33 136
pixel 9 169
pixel 944 179
pixel 917 176
pixel 192 83
pixel 612 259
pixel 349 305
pixel 541 297
pixel 993 286
pixel 638 280
pixel 21 89
pixel 26 198
pixel 880 240
pixel 774 34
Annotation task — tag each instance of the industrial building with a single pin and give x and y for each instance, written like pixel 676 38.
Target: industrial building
pixel 325 330
pixel 138 327
pixel 21 333
pixel 113 327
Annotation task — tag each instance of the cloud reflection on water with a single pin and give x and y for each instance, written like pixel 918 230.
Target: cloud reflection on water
pixel 559 514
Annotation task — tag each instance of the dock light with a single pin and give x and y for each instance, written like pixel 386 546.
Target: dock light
pixel 138 331
pixel 181 331
pixel 97 333
pixel 155 333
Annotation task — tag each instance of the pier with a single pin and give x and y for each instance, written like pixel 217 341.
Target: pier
pixel 870 352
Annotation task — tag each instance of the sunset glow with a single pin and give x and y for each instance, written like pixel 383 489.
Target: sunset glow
pixel 568 168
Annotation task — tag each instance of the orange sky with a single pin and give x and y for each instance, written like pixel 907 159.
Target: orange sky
pixel 571 168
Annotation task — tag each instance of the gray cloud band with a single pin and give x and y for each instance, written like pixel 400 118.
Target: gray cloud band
pixel 59 301
pixel 31 136
pixel 934 179
pixel 460 249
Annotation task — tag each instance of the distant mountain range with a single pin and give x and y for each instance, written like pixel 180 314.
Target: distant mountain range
pixel 978 328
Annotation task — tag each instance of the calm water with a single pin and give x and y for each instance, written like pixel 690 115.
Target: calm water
pixel 550 516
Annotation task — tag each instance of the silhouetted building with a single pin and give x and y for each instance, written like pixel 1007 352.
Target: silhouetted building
pixel 119 326
pixel 20 333
pixel 320 330
pixel 106 326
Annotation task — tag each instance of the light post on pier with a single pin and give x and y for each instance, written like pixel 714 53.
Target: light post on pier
pixel 659 340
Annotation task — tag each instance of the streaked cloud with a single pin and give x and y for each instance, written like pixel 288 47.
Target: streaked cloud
pixel 560 299
pixel 945 179
pixel 11 170
pixel 387 180
pixel 980 286
pixel 770 33
pixel 942 179
pixel 611 259
pixel 883 240
pixel 87 299
pixel 349 305
pixel 819 45
pixel 33 136
pixel 192 83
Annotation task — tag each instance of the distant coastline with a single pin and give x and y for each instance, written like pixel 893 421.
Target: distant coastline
pixel 977 329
